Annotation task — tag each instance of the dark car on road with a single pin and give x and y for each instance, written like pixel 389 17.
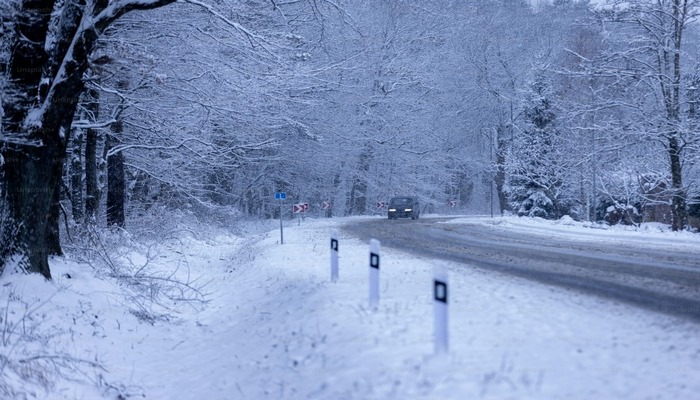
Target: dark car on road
pixel 404 207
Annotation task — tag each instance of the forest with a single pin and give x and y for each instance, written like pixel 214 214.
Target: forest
pixel 114 109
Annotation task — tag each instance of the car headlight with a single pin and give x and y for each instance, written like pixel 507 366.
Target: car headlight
pixel 408 210
pixel 392 209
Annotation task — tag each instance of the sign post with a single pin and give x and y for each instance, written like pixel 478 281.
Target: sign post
pixel 334 256
pixel 281 196
pixel 374 247
pixel 440 298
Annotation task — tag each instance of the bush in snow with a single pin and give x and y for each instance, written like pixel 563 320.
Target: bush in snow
pixel 152 291
pixel 621 213
pixel 630 197
pixel 694 213
pixel 34 351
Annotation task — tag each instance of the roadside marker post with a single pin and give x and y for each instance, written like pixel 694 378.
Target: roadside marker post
pixel 334 256
pixel 374 247
pixel 440 293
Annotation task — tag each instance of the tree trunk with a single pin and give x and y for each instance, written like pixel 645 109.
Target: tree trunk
pixel 53 237
pixel 29 173
pixel 31 203
pixel 350 200
pixel 53 231
pixel 678 202
pixel 116 186
pixel 359 202
pixel 92 191
pixel 76 176
pixel 501 172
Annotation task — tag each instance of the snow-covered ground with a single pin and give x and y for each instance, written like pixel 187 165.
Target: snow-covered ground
pixel 275 327
pixel 647 236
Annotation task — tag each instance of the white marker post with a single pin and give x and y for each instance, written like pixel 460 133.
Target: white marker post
pixel 334 256
pixel 374 246
pixel 440 283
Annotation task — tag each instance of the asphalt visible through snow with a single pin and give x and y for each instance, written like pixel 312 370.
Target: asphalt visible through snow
pixel 657 280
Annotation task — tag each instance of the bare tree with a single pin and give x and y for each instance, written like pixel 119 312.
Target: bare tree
pixel 654 54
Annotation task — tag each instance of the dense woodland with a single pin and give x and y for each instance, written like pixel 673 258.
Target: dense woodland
pixel 114 108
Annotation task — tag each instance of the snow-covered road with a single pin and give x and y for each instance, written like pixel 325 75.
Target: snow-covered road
pixel 665 279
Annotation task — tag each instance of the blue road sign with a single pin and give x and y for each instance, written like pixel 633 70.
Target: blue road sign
pixel 280 195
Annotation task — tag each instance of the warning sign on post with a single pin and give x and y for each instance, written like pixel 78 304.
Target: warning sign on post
pixel 300 208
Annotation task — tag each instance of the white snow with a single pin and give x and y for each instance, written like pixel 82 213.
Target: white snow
pixel 33 119
pixel 275 327
pixel 648 235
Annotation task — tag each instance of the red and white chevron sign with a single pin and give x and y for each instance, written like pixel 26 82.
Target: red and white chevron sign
pixel 381 204
pixel 300 208
pixel 325 205
pixel 453 203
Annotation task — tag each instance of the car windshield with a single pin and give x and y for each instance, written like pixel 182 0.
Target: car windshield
pixel 401 201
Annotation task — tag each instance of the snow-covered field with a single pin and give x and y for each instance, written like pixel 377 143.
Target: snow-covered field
pixel 274 327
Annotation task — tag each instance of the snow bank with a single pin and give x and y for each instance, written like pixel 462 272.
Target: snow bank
pixel 275 327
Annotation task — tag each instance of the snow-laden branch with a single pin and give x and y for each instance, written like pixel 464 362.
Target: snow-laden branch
pixel 116 9
pixel 183 144
pixel 252 37
pixel 117 149
pixel 84 124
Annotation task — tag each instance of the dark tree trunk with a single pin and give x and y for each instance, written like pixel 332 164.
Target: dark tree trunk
pixel 336 188
pixel 465 189
pixel 359 204
pixel 116 186
pixel 53 237
pixel 678 202
pixel 350 200
pixel 92 191
pixel 358 196
pixel 76 176
pixel 501 173
pixel 28 171
pixel 31 202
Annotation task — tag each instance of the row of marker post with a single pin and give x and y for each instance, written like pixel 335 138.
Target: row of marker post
pixel 440 289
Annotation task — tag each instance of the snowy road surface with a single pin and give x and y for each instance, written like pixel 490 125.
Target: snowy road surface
pixel 657 276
